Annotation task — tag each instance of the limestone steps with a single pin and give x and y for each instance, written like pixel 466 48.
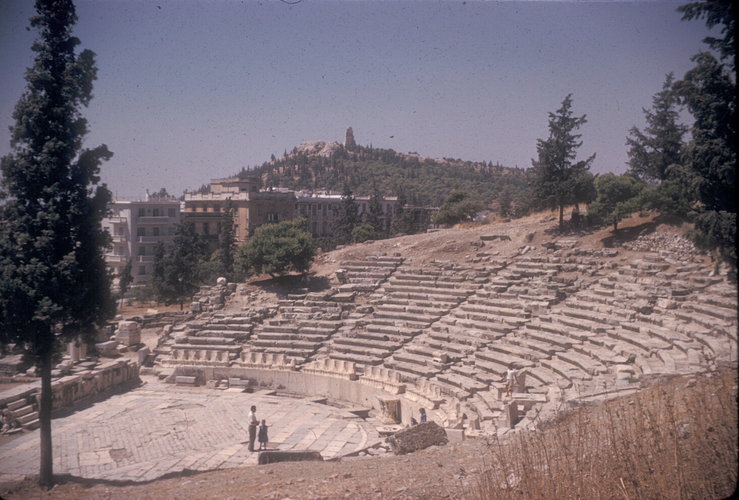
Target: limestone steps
pixel 356 358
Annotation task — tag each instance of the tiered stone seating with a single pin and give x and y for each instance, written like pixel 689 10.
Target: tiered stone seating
pixel 24 412
pixel 576 321
pixel 368 274
pixel 214 340
pixel 404 307
pixel 301 327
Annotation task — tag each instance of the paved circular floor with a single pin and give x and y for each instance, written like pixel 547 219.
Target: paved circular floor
pixel 156 429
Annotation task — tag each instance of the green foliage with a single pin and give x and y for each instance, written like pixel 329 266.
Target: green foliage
pixel 54 284
pixel 558 180
pixel 178 269
pixel 424 181
pixel 709 164
pixel 125 278
pixel 363 232
pixel 374 215
pixel 716 13
pixel 458 207
pixel 277 249
pixel 669 197
pixel 224 254
pixel 617 198
pixel 660 146
pixel 348 218
pixel 505 207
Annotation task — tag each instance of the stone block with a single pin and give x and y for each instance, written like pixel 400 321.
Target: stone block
pixel 270 457
pixel 142 356
pixel 389 410
pixel 128 333
pixel 184 380
pixel 108 348
pixel 417 437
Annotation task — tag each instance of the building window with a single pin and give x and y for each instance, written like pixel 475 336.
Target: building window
pixel 142 270
pixel 324 210
pixel 272 217
pixel 206 228
pixel 142 212
pixel 142 250
pixel 156 212
pixel 156 231
pixel 170 212
pixel 140 231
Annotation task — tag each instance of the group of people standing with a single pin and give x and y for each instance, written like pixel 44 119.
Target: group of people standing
pixel 257 430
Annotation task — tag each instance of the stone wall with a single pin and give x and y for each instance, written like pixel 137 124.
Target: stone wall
pixel 107 377
pixel 338 388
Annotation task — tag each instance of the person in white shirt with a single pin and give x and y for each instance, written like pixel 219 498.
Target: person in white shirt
pixel 510 379
pixel 253 422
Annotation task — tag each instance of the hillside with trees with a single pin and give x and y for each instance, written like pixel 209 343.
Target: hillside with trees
pixel 420 180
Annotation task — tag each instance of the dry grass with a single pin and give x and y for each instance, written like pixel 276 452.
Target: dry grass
pixel 674 441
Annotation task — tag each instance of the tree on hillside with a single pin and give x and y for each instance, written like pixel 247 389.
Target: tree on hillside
pixel 375 213
pixel 364 232
pixel 652 152
pixel 348 217
pixel 403 222
pixel 505 200
pixel 709 164
pixel 177 268
pixel 617 198
pixel 716 13
pixel 277 249
pixel 125 278
pixel 54 285
pixel 459 206
pixel 557 178
pixel 224 254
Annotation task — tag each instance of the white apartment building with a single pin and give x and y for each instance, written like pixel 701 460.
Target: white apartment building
pixel 136 227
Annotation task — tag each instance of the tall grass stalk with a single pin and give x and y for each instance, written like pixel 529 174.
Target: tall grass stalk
pixel 675 440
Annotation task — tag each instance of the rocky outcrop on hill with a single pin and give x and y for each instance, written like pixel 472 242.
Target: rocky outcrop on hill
pixel 318 148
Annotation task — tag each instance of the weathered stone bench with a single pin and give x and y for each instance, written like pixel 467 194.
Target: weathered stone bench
pixel 185 380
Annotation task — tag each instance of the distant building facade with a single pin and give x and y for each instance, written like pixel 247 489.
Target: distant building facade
pixel 136 228
pixel 322 209
pixel 250 207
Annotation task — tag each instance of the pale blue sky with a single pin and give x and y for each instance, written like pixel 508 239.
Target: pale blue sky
pixel 189 90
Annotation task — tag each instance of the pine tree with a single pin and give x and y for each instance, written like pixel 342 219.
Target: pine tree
pixel 709 163
pixel 54 285
pixel 375 213
pixel 660 146
pixel 558 180
pixel 226 241
pixel 176 269
pixel 348 217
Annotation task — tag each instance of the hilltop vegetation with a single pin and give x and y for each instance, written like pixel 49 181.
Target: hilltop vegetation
pixel 419 180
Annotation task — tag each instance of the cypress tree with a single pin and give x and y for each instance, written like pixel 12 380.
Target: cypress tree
pixel 54 285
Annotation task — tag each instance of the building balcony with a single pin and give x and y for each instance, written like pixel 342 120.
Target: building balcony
pixel 144 258
pixel 117 220
pixel 153 239
pixel 118 238
pixel 116 259
pixel 151 219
